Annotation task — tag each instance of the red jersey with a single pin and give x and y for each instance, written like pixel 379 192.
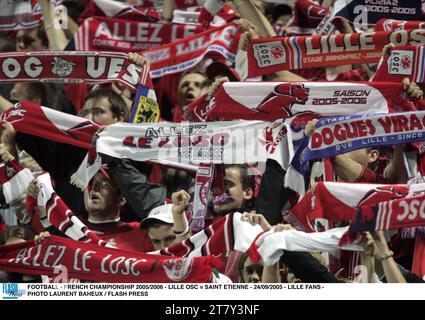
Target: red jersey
pixel 124 235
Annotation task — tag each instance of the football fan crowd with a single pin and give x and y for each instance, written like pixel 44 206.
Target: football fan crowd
pixel 250 141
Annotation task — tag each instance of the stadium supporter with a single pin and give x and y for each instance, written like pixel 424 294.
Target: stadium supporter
pixel 103 202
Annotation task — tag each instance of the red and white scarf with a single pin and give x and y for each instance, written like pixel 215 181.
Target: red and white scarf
pixel 16 15
pixel 184 54
pixel 402 62
pixel 59 215
pixel 339 201
pixel 215 142
pixel 393 214
pixel 291 53
pixel 68 67
pixel 226 234
pixel 32 119
pixel 394 25
pixel 306 17
pixel 101 33
pixel 111 8
pixel 269 101
pixel 14 180
pixel 93 263
pixel 270 245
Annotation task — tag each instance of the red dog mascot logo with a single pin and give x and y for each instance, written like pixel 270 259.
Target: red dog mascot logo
pixel 284 96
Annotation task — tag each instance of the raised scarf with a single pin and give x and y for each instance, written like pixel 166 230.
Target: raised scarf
pixel 393 25
pixel 16 15
pixel 402 62
pixel 93 263
pixel 14 180
pixel 181 55
pixel 215 142
pixel 68 67
pixel 226 234
pixel 270 101
pixel 103 33
pixel 338 201
pixel 337 135
pixel 367 12
pixel 111 8
pixel 269 55
pixel 32 119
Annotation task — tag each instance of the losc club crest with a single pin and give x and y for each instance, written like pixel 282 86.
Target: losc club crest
pixel 269 53
pixel 178 269
pixel 62 67
pixel 400 62
pixel 10 171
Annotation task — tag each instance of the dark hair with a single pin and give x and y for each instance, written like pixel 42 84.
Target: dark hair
pixel 22 232
pixel 47 92
pixel 184 74
pixel 154 223
pixel 280 10
pixel 247 180
pixel 6 45
pixel 118 105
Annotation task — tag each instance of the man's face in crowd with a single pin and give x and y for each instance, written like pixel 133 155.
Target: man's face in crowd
pixel 99 110
pixel 162 236
pixel 251 272
pixel 363 156
pixel 236 195
pixel 190 87
pixel 103 198
pixel 28 40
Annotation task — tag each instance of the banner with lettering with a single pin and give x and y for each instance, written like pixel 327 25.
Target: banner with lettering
pixel 270 101
pixel 363 13
pixel 94 263
pixel 337 135
pixel 68 67
pixel 393 214
pixel 192 143
pixel 101 33
pixel 394 25
pixel 184 54
pixel 402 62
pixel 117 9
pixel 291 53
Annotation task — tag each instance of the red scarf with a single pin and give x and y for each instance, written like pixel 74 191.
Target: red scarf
pixel 68 67
pixel 306 17
pixel 226 234
pixel 387 215
pixel 402 62
pixel 339 201
pixel 269 101
pixel 184 54
pixel 14 180
pixel 93 263
pixel 111 8
pixel 277 54
pixel 30 118
pixel 394 25
pixel 112 34
pixel 16 15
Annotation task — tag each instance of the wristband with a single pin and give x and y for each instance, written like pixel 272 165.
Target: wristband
pixel 386 255
pixel 182 233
